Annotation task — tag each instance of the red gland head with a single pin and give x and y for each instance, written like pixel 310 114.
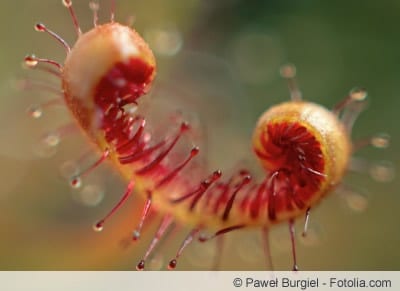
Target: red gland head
pixel 110 64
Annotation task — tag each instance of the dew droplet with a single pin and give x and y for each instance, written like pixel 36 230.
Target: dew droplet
pixel 381 141
pixel 52 139
pixel 288 71
pixel 76 182
pixel 166 41
pixel 356 201
pixel 172 264
pixel 382 171
pixel 140 266
pixel 31 61
pixel 35 111
pixel 91 195
pixel 67 3
pixel 94 6
pixel 40 27
pixel 202 236
pixel 135 235
pixel 358 94
pixel 98 227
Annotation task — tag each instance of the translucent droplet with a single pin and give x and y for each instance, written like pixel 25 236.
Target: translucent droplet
pixel 288 71
pixel 202 236
pixel 76 182
pixel 91 195
pixel 356 201
pixel 31 61
pixel 172 264
pixel 165 41
pixel 382 171
pixel 135 235
pixel 94 6
pixel 358 94
pixel 67 3
pixel 98 227
pixel 52 139
pixel 40 27
pixel 381 140
pixel 35 111
pixel 140 265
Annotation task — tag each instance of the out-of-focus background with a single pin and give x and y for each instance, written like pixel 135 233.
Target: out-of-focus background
pixel 218 61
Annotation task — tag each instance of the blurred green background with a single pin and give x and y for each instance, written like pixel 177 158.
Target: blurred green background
pixel 219 62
